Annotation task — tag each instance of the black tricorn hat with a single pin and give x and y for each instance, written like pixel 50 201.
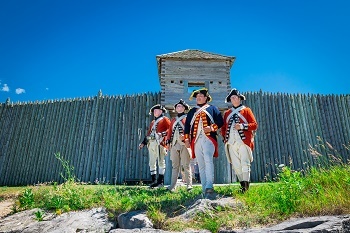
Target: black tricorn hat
pixel 157 106
pixel 203 91
pixel 234 91
pixel 182 102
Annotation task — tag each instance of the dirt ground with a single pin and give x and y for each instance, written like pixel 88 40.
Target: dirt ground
pixel 6 207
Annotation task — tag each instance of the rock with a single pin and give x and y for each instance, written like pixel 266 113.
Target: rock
pixel 94 220
pixel 134 219
pixel 139 230
pixel 148 230
pixel 322 224
pixel 203 205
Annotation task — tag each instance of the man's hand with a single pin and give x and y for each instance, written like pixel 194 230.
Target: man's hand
pixel 238 126
pixel 167 143
pixel 141 145
pixel 207 129
pixel 182 137
pixel 187 143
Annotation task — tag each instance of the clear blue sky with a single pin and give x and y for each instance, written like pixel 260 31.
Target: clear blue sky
pixel 66 49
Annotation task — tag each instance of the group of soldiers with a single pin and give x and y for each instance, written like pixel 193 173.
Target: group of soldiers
pixel 193 134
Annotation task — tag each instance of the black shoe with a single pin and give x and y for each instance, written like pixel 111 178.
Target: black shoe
pixel 242 190
pixel 210 194
pixel 159 183
pixel 244 186
pixel 169 190
pixel 154 180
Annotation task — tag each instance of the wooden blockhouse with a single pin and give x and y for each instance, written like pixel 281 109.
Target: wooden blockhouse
pixel 182 72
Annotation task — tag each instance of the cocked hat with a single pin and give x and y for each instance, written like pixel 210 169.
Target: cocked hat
pixel 203 91
pixel 236 92
pixel 182 102
pixel 157 106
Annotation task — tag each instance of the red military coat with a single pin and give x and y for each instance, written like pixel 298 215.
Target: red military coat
pixel 170 130
pixel 248 128
pixel 162 127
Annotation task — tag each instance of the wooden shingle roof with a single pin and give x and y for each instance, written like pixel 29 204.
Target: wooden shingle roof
pixel 193 54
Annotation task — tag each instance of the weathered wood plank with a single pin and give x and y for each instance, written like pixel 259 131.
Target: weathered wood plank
pixel 104 172
pixel 101 140
pixel 14 136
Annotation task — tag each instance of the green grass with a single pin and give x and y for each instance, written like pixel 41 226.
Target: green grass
pixel 10 192
pixel 317 191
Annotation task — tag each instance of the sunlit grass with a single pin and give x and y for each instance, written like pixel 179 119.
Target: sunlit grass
pixel 316 191
pixel 10 192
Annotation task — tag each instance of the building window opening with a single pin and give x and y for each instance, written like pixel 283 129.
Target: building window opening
pixel 195 86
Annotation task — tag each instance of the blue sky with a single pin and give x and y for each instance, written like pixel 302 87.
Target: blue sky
pixel 67 49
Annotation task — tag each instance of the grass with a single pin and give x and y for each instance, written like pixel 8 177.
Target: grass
pixel 317 191
pixel 10 192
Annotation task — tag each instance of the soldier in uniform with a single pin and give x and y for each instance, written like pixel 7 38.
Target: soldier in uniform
pixel 238 133
pixel 179 154
pixel 155 141
pixel 200 135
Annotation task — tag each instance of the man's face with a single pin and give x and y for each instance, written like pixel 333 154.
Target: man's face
pixel 201 99
pixel 180 108
pixel 157 112
pixel 235 100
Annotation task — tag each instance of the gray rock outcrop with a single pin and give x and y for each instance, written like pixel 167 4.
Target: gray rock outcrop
pixel 204 205
pixel 322 224
pixel 94 220
pixel 134 219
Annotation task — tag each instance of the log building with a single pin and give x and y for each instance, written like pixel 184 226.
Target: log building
pixel 182 72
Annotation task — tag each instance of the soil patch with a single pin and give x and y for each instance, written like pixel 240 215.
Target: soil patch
pixel 6 207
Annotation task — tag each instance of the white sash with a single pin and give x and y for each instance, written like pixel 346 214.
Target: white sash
pixel 236 111
pixel 153 130
pixel 178 121
pixel 155 124
pixel 199 111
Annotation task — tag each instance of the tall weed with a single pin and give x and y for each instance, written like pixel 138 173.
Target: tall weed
pixel 68 175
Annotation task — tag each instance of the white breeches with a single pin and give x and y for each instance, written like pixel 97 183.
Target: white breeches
pixel 180 156
pixel 155 152
pixel 204 150
pixel 240 156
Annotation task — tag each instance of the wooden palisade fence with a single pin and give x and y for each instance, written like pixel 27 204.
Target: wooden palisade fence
pixel 99 136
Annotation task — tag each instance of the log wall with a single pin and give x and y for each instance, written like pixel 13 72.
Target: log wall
pixel 177 78
pixel 99 136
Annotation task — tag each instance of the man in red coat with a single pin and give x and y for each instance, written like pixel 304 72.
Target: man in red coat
pixel 155 141
pixel 179 154
pixel 238 133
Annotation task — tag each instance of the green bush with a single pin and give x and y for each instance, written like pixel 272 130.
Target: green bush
pixel 27 199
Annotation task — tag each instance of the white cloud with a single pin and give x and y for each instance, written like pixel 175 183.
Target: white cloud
pixel 20 91
pixel 5 88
